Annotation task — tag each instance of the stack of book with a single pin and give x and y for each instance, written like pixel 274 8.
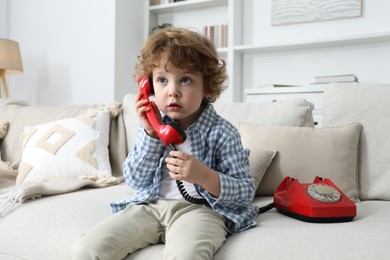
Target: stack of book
pixel 160 2
pixel 278 86
pixel 218 34
pixel 347 78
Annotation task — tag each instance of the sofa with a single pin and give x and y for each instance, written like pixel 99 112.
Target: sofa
pixel 62 192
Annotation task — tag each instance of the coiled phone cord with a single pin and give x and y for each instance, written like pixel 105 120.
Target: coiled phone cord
pixel 184 193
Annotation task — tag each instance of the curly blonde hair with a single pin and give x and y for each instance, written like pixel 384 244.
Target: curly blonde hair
pixel 186 50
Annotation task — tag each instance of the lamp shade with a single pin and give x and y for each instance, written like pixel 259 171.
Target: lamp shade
pixel 10 59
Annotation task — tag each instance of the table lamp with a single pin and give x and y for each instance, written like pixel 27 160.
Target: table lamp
pixel 10 61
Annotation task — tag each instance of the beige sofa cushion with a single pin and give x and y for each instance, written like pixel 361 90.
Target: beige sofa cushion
pixel 294 112
pixel 305 152
pixel 368 104
pixel 259 161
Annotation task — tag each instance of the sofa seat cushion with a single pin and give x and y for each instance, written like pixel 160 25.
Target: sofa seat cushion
pixel 48 227
pixel 281 237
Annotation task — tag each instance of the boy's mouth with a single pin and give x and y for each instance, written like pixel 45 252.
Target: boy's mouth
pixel 174 106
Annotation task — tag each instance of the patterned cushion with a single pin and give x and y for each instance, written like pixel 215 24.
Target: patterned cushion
pixel 71 147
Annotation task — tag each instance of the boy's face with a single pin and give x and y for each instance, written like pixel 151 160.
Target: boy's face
pixel 178 93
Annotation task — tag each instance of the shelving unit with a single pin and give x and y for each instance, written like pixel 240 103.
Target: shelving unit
pixel 251 63
pixel 186 5
pixel 153 11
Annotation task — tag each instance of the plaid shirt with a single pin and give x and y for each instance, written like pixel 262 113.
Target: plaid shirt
pixel 217 144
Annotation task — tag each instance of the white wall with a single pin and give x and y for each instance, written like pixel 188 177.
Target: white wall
pixel 258 29
pixel 71 50
pixel 128 41
pixel 3 18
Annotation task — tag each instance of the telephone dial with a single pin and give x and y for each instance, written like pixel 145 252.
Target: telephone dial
pixel 320 202
pixel 170 134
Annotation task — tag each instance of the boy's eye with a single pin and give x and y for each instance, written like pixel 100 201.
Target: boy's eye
pixel 162 80
pixel 185 80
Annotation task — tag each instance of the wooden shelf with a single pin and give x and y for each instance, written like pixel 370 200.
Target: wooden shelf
pixel 186 6
pixel 315 43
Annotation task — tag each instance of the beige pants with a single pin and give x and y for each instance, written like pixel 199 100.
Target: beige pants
pixel 189 231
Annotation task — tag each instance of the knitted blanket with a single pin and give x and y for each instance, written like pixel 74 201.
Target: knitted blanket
pixel 14 196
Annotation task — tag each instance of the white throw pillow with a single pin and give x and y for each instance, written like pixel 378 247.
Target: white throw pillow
pixel 72 147
pixel 305 152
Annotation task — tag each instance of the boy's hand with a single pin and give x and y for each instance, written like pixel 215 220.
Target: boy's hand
pixel 183 166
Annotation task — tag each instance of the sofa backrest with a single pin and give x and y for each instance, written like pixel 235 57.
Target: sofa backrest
pixel 295 112
pixel 367 104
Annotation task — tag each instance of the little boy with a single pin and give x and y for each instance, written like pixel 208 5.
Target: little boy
pixel 187 78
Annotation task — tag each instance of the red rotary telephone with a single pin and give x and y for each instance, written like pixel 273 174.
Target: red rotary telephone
pixel 170 134
pixel 321 201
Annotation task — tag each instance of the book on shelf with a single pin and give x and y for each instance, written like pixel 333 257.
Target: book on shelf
pixel 335 78
pixel 160 2
pixel 218 34
pixel 154 2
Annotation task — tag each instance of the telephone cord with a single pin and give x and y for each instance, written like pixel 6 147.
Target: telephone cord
pixel 184 193
pixel 266 207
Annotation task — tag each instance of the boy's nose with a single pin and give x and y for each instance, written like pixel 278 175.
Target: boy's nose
pixel 174 89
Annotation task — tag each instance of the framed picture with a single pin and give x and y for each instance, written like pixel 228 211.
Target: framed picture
pixel 304 11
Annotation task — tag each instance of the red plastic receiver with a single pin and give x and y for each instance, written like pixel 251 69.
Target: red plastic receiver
pixel 169 134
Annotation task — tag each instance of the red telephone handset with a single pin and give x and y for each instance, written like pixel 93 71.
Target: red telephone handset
pixel 169 134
